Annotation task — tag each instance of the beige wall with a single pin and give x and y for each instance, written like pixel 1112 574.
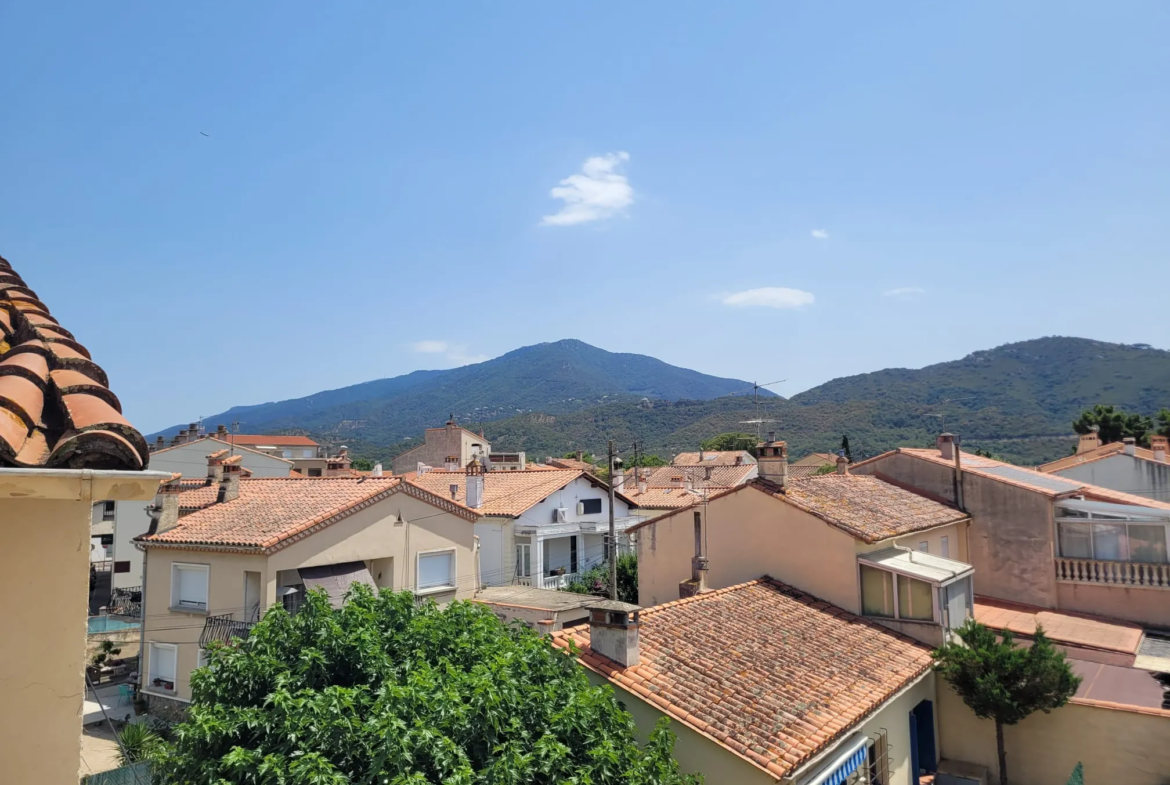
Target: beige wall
pixel 749 534
pixel 371 535
pixel 44 577
pixel 1144 606
pixel 696 752
pixel 1011 535
pixel 1116 746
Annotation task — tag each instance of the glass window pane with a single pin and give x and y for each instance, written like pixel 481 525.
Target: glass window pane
pixel 958 597
pixel 434 569
pixel 1075 541
pixel 1109 542
pixel 1068 512
pixel 877 592
pixel 1147 543
pixel 915 599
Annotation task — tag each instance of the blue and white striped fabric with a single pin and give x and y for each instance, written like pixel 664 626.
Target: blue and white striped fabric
pixel 836 770
pixel 848 767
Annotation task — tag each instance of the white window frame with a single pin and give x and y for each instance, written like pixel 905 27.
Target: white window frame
pixel 944 544
pixel 418 557
pixel 924 546
pixel 151 675
pixel 521 548
pixel 935 595
pixel 307 453
pixel 175 569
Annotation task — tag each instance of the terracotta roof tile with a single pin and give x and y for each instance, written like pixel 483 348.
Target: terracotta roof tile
pixel 572 463
pixel 260 440
pixel 713 458
pixel 212 443
pixel 866 507
pixel 771 673
pixel 504 493
pixel 56 408
pixel 663 498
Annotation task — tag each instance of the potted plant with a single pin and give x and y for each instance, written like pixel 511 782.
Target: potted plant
pixel 559 571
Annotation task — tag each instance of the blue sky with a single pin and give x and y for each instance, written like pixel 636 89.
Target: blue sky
pixel 760 190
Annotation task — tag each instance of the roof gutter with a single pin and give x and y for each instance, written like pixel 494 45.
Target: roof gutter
pixel 79 484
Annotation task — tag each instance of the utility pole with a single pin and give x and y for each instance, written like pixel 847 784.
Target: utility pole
pixel 613 595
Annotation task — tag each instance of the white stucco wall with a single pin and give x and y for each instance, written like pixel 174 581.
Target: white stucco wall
pixel 1125 473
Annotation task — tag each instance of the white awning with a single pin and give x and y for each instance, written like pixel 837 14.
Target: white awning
pixel 336 578
pixel 850 756
pixel 918 564
pixel 1111 511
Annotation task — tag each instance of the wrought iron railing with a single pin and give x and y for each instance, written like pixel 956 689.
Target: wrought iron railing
pixel 223 629
pixel 126 601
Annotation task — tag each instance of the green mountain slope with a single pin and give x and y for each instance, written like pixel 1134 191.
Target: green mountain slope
pixel 558 377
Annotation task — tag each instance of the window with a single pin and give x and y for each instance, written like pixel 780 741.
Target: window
pixel 436 570
pixel 944 546
pixel 1147 543
pixel 877 592
pixel 591 506
pixel 286 453
pixel 189 587
pixel 924 546
pixel 307 454
pixel 1138 542
pixel 201 659
pixel 163 666
pixel 314 472
pixel 108 510
pixel 523 560
pixel 915 599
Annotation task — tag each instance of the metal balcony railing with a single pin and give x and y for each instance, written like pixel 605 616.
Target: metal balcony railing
pixel 223 629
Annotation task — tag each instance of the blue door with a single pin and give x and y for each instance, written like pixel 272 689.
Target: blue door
pixel 922 747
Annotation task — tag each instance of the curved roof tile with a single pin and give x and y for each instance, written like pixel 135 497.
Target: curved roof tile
pixel 56 408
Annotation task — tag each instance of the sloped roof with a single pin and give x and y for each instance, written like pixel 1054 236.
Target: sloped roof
pixel 217 444
pixel 700 476
pixel 504 493
pixel 816 460
pixel 572 463
pixel 766 671
pixel 260 440
pixel 1089 456
pixel 56 407
pixel 1051 485
pixel 713 458
pixel 662 498
pixel 866 507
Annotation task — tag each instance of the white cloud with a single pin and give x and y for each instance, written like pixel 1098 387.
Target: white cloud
pixel 769 297
pixel 599 191
pixel 456 353
pixel 904 292
pixel 820 234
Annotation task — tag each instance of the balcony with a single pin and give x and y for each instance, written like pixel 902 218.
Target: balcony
pixel 1113 573
pixel 223 629
pixel 547 581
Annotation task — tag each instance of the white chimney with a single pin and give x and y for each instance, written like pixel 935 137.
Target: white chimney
pixel 1159 444
pixel 377 472
pixel 773 460
pixel 1130 447
pixel 619 474
pixel 946 446
pixel 613 631
pixel 474 484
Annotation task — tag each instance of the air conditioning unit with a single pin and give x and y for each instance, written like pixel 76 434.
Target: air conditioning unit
pixel 580 508
pixel 561 515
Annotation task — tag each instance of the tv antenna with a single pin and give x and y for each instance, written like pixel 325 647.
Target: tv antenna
pixel 757 420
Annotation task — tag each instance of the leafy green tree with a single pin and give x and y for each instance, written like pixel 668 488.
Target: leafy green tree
pixel 1163 422
pixel 845 448
pixel 587 457
pixel 1113 424
pixel 826 469
pixel 1002 682
pixel 646 460
pixel 595 580
pixel 726 442
pixel 386 692
pixel 362 464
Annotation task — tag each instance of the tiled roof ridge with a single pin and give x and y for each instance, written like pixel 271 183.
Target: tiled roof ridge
pixel 210 437
pixel 56 407
pixel 723 492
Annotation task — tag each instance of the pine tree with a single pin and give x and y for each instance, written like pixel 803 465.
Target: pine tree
pixel 1002 682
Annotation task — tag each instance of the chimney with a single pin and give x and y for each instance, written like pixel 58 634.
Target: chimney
pixel 842 465
pixel 474 485
pixel 698 582
pixel 454 489
pixel 619 474
pixel 613 631
pixel 164 513
pixel 739 459
pixel 1130 447
pixel 160 443
pixel 215 467
pixel 773 460
pixel 452 463
pixel 701 456
pixel 642 483
pixel 193 431
pixel 229 486
pixel 221 432
pixel 946 446
pixel 580 455
pixel 182 437
pixel 706 472
pixel 1089 441
pixel 1160 445
pixel 377 472
pixel 677 481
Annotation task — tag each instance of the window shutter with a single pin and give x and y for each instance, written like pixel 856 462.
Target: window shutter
pixel 434 570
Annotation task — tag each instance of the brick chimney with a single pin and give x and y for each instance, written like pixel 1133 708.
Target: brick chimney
pixel 1089 441
pixel 1130 447
pixel 229 485
pixel 215 467
pixel 613 631
pixel 1161 446
pixel 773 460
pixel 842 465
pixel 159 443
pixel 946 446
pixel 474 484
pixel 643 483
pixel 221 433
pixel 698 582
pixel 164 512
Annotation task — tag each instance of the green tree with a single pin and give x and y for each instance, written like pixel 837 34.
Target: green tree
pixel 646 460
pixel 1113 424
pixel 139 743
pixel 587 457
pixel 726 442
pixel 845 448
pixel 1002 682
pixel 383 690
pixel 106 651
pixel 1163 422
pixel 595 580
pixel 362 464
